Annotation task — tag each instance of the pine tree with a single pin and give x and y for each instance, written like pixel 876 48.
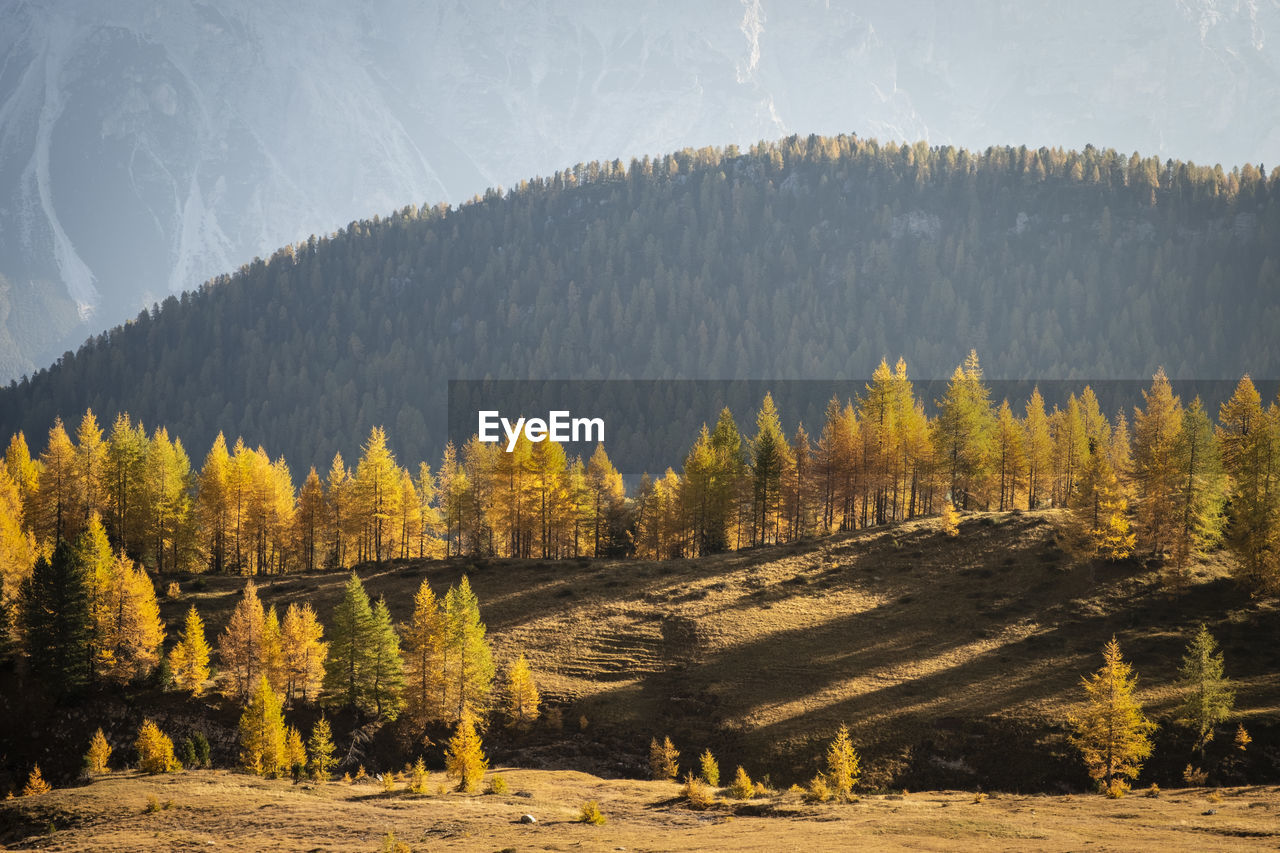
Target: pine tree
pixel 320 749
pixel 1209 698
pixel 709 769
pixel 56 620
pixel 95 760
pixel 189 659
pixel 350 648
pixel 386 665
pixel 303 652
pixel 464 758
pixel 664 759
pixel 424 660
pixel 155 750
pixel 1111 732
pixel 522 694
pixel 843 766
pixel 262 732
pixel 468 659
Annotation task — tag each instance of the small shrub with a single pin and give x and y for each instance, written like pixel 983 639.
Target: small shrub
pixel 173 590
pixel 950 519
pixel 742 788
pixel 1215 797
pixel 202 749
pixel 1242 738
pixel 591 814
pixel 153 804
pixel 710 768
pixel 979 797
pixel 360 774
pixel 187 753
pixel 818 790
pixel 418 777
pixel 1117 789
pixel 391 845
pixel 388 781
pixel 346 778
pixel 1194 777
pixel 36 784
pixel 583 722
pixel 664 759
pixel 696 792
pixel 498 785
pixel 1153 791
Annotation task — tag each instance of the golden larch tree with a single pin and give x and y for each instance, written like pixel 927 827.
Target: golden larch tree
pixel 843 765
pixel 303 652
pixel 95 760
pixel 155 750
pixel 262 732
pixel 522 694
pixel 189 659
pixel 464 757
pixel 240 647
pixel 1111 733
pixel 424 641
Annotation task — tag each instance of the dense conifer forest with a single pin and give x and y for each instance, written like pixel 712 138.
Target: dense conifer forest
pixel 805 258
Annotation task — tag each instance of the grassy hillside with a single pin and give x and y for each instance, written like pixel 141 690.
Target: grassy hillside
pixel 954 661
pixel 927 646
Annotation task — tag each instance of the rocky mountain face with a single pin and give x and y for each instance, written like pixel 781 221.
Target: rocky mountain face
pixel 147 145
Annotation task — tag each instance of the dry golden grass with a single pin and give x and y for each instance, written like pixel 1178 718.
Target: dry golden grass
pixel 235 812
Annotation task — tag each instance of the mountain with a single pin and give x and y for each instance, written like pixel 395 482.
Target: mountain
pixel 805 259
pixel 145 149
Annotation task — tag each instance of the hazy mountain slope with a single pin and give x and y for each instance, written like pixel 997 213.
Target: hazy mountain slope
pixel 144 149
pixel 809 259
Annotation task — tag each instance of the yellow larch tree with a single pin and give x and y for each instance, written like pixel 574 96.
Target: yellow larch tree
pixel 189 659
pixel 464 758
pixel 424 659
pixel 522 694
pixel 95 760
pixel 303 652
pixel 262 732
pixel 240 647
pixel 155 750
pixel 131 631
pixel 1111 732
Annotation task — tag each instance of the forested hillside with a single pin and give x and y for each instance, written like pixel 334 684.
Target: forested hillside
pixel 808 258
